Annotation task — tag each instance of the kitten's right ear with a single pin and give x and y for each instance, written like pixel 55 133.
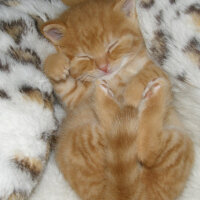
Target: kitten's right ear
pixel 126 6
pixel 54 31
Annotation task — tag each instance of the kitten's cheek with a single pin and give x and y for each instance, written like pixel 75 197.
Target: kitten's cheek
pixel 113 57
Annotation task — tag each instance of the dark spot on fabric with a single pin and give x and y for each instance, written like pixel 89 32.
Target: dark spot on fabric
pixel 50 138
pixel 26 89
pixel 192 49
pixel 48 100
pixel 56 99
pixel 178 13
pixel 181 77
pixel 159 49
pixel 172 1
pixel 193 46
pixel 147 3
pixel 38 23
pixel 16 29
pixel 4 67
pixel 195 8
pixel 28 165
pixel 17 195
pixel 5 3
pixel 3 94
pixel 45 136
pixel 48 96
pixel 9 3
pixel 47 16
pixel 159 17
pixel 34 94
pixel 25 56
pixel 53 141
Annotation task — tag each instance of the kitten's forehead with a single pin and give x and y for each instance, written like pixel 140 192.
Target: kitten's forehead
pixel 93 25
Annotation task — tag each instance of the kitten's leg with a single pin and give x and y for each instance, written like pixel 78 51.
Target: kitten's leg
pixel 105 103
pixel 165 152
pixel 152 113
pixel 152 110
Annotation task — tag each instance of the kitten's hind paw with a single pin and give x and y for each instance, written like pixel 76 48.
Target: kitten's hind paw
pixel 157 93
pixel 152 88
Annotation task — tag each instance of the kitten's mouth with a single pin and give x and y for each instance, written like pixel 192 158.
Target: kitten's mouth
pixel 108 74
pixel 107 71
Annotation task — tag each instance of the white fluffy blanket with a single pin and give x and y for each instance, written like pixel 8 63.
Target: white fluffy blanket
pixel 29 116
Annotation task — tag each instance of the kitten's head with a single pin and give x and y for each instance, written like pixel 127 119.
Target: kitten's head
pixel 98 37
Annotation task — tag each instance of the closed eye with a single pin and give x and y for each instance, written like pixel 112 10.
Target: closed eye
pixel 83 57
pixel 112 46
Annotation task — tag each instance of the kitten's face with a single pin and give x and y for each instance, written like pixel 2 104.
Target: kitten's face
pixel 97 36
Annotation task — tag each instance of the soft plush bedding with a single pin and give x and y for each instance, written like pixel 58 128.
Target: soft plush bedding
pixel 30 114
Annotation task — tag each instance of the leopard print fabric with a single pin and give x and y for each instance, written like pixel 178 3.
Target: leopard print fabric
pixel 29 113
pixel 171 29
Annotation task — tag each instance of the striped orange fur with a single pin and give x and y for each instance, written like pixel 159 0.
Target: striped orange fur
pixel 121 139
pixel 111 150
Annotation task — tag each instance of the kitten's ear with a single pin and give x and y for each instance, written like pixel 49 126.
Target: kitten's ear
pixel 126 6
pixel 54 31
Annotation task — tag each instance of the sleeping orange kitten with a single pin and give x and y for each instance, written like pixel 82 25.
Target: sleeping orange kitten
pixel 121 139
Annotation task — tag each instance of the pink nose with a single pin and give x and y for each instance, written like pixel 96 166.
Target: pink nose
pixel 104 68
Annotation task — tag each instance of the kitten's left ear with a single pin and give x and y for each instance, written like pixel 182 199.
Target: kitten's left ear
pixel 126 6
pixel 54 31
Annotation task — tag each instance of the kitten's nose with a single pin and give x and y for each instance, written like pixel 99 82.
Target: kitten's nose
pixel 102 64
pixel 104 68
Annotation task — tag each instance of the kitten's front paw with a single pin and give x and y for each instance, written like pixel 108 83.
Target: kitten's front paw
pixel 56 67
pixel 103 85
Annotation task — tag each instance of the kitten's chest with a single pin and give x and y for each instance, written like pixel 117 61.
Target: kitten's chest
pixel 119 82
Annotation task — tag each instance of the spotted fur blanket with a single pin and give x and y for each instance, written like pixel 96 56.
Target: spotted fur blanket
pixel 29 114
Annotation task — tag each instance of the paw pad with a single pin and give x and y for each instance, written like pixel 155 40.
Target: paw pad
pixel 152 88
pixel 106 89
